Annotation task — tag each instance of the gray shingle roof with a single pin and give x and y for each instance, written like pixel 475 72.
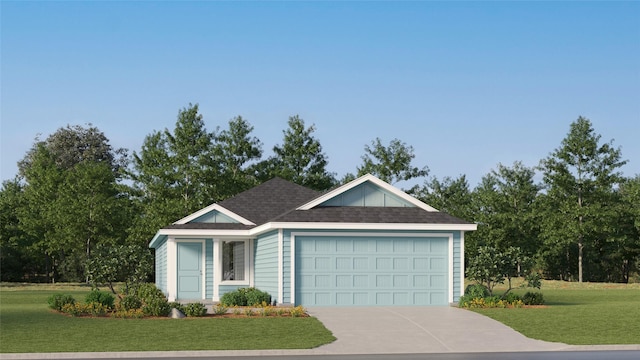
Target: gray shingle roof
pixel 277 199
pixel 268 200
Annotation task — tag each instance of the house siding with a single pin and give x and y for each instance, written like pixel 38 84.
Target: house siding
pixel 209 281
pixel 458 268
pixel 161 266
pixel 266 264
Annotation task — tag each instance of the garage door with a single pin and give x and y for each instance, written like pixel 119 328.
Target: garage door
pixel 371 271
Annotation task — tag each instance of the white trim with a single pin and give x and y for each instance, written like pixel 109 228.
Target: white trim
pixel 247 265
pixel 214 207
pixel 450 277
pixel 358 226
pixel 368 177
pixel 258 230
pixel 203 264
pixel 250 263
pixel 217 268
pixel 461 263
pixel 292 287
pixel 172 266
pixel 449 236
pixel 280 266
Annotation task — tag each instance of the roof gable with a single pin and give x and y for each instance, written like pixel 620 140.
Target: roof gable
pixel 214 213
pixel 367 191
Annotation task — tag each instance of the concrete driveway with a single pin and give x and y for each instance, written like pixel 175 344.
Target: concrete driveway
pixel 388 330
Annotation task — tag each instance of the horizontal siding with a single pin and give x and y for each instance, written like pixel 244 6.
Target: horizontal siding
pixel 209 268
pixel 161 267
pixel 266 264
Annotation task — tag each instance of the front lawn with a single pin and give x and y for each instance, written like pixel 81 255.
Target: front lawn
pixel 578 314
pixel 28 325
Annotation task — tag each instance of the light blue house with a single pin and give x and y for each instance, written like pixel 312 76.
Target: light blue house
pixel 363 243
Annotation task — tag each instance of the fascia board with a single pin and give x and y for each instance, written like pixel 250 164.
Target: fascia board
pixel 155 239
pixel 214 207
pixel 368 177
pixel 359 226
pixel 215 233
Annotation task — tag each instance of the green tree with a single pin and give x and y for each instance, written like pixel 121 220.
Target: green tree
pixel 448 195
pixel 130 264
pixel 299 159
pixel 492 266
pixel 579 179
pixel 236 151
pixel 68 177
pixel 390 163
pixel 174 174
pixel 504 206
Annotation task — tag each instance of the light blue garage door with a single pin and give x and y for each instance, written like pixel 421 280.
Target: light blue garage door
pixel 371 271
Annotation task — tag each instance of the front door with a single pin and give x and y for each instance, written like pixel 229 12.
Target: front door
pixel 190 270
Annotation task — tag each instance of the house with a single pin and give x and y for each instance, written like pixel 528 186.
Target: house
pixel 363 243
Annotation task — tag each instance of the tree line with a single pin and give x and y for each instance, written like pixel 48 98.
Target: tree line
pixel 75 196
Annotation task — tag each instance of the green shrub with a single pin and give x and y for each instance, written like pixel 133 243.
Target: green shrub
pixel 234 298
pixel 195 309
pixel 256 297
pixel 476 291
pixel 156 306
pixel 533 298
pixel 100 297
pixel 176 305
pixel 58 301
pixel 511 298
pixel 130 302
pixel 245 297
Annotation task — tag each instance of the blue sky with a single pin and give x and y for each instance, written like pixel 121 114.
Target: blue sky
pixel 467 84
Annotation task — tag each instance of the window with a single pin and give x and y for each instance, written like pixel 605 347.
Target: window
pixel 233 260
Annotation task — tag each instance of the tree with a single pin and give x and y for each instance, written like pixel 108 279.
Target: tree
pixel 579 179
pixel 299 159
pixel 451 196
pixel 174 174
pixel 504 208
pixel 18 260
pixel 492 266
pixel 390 163
pixel 131 264
pixel 71 183
pixel 235 150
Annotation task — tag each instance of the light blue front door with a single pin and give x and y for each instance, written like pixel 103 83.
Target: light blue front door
pixel 349 271
pixel 189 270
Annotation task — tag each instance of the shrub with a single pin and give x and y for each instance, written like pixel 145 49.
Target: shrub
pixel 256 297
pixel 533 298
pixel 298 311
pixel 95 309
pixel 100 297
pixel 156 306
pixel 220 309
pixel 130 302
pixel 58 301
pixel 511 298
pixel 73 309
pixel 234 298
pixel 245 297
pixel 176 305
pixel 476 291
pixel 195 309
pixel 128 314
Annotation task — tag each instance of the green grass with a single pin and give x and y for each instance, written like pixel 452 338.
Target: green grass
pixel 28 325
pixel 578 314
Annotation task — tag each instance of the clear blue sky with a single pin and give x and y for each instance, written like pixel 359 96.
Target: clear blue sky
pixel 467 84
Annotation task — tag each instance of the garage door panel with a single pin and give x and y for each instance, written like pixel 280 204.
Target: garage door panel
pixel 365 271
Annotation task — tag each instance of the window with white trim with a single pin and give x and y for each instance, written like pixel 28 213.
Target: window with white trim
pixel 235 264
